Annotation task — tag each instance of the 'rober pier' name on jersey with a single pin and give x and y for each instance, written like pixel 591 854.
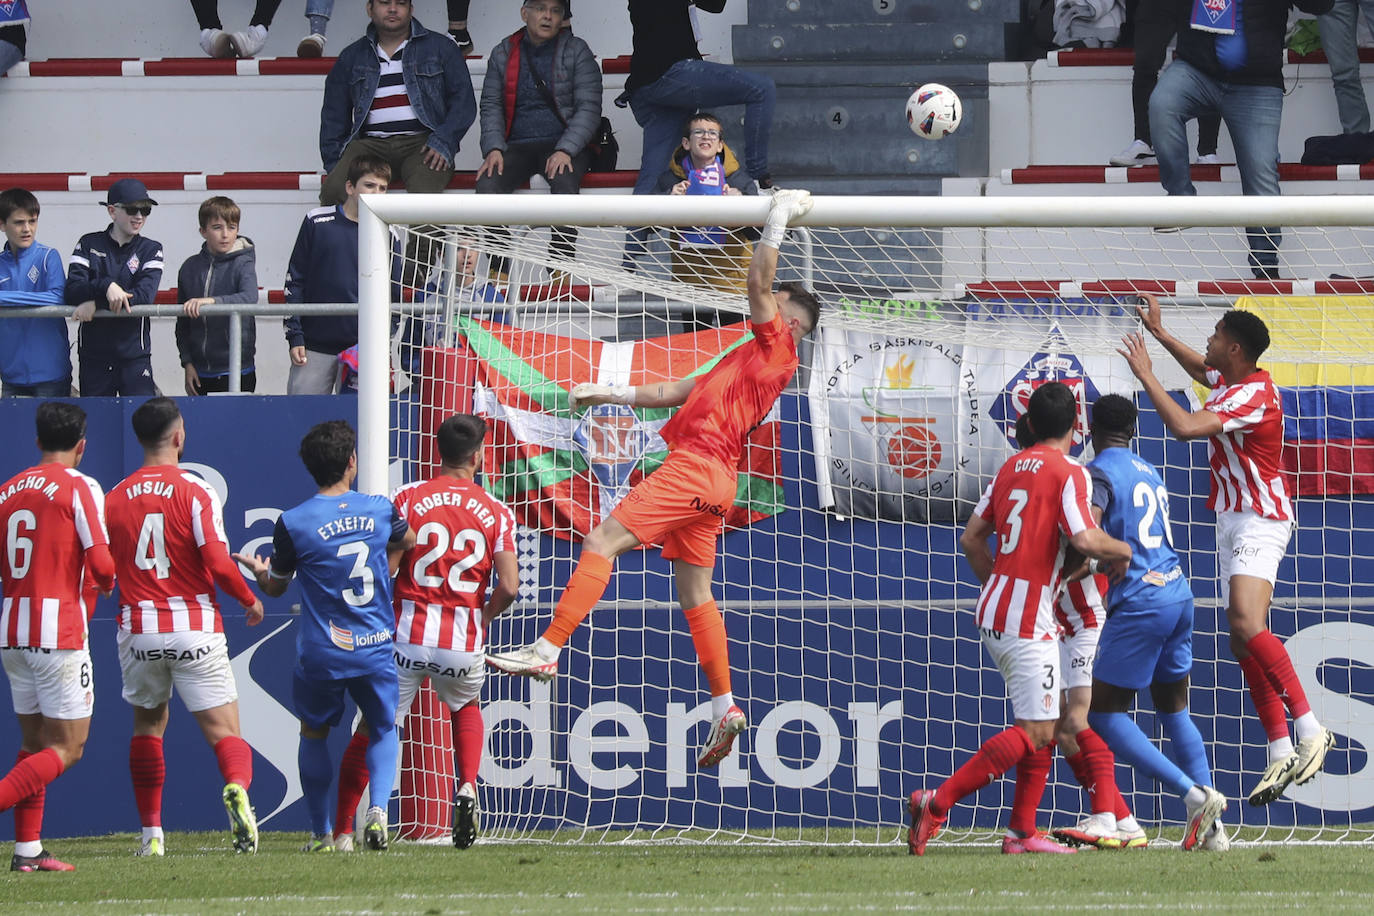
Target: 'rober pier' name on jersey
pixel 469 504
pixel 347 525
pixel 37 482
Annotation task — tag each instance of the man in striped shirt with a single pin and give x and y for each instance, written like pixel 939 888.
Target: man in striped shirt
pixel 1243 423
pixel 167 535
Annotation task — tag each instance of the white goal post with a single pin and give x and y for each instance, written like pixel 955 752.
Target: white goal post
pixel 844 592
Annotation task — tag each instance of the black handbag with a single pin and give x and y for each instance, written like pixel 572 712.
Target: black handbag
pixel 603 146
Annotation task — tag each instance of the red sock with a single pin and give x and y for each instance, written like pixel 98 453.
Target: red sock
pixel 1266 699
pixel 997 755
pixel 1278 667
pixel 149 771
pixel 1095 769
pixel 468 738
pixel 352 782
pixel 29 776
pixel 28 814
pixel 713 651
pixel 1031 772
pixel 235 759
pixel 585 588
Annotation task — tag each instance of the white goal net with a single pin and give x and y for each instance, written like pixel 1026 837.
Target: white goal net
pixel 845 596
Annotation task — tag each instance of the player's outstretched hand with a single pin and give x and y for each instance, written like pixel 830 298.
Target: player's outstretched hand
pixel 253 613
pixel 1137 357
pixel 789 205
pixel 1148 310
pixel 586 394
pixel 1116 570
pixel 255 565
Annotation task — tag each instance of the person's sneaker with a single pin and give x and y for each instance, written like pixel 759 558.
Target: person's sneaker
pixel 526 662
pixel 1266 272
pixel 311 45
pixel 242 822
pixel 343 842
pixel 374 829
pixel 319 843
pixel 925 826
pixel 152 846
pixel 1208 159
pixel 215 43
pixel 721 738
pixel 1132 839
pixel 464 40
pixel 1091 831
pixel 1216 839
pixel 1036 842
pixel 1201 818
pixel 1311 754
pixel 1273 781
pixel 1138 153
pixel 465 816
pixel 44 861
pixel 250 41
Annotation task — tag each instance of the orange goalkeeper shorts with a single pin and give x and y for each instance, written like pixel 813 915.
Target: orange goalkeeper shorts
pixel 682 506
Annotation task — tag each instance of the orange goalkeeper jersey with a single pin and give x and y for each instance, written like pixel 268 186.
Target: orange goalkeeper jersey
pixel 731 399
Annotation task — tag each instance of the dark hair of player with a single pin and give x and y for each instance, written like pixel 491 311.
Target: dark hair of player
pixel 460 437
pixel 1052 411
pixel 13 200
pixel 60 426
pixel 1248 330
pixel 1025 437
pixel 326 449
pixel 154 418
pixel 368 165
pixel 1114 415
pixel 701 116
pixel 804 299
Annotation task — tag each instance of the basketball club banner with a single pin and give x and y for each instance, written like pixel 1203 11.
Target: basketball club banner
pixel 563 471
pixel 910 429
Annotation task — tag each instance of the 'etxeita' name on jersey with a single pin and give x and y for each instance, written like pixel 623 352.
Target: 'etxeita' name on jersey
pixel 346 525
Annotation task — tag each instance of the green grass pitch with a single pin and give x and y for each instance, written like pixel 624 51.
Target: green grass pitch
pixel 201 874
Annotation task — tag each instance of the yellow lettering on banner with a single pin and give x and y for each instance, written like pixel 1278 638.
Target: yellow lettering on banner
pixel 1334 330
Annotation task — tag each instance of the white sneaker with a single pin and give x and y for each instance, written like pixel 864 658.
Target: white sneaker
pixel 465 816
pixel 1217 840
pixel 1132 839
pixel 1208 159
pixel 1274 780
pixel 343 842
pixel 250 41
pixel 1091 831
pixel 215 43
pixel 374 829
pixel 311 45
pixel 526 661
pixel 1202 817
pixel 721 738
pixel 152 846
pixel 1138 153
pixel 1311 754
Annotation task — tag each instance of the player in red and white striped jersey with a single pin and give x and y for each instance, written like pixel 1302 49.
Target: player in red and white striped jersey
pixel 55 557
pixel 1243 423
pixel 169 547
pixel 1038 499
pixel 464 536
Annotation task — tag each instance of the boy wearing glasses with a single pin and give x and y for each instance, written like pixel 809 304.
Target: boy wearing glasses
pixel 113 270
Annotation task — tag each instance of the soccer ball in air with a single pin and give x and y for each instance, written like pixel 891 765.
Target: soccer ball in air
pixel 933 112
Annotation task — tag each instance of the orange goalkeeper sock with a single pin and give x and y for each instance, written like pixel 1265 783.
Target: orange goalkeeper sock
pixel 713 651
pixel 585 588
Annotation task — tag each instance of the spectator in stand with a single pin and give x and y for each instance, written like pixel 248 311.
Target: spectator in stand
pixel 324 268
pixel 218 43
pixel 35 355
pixel 223 272
pixel 541 106
pixel 709 256
pixel 1088 23
pixel 1229 62
pixel 317 13
pixel 1156 23
pixel 113 270
pixel 1338 29
pixel 13 38
pixel 410 112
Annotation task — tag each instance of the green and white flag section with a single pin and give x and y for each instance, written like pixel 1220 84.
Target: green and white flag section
pixel 562 472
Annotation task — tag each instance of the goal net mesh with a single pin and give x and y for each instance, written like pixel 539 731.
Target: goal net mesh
pixel 845 596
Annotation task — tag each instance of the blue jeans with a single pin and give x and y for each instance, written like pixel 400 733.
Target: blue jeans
pixel 662 108
pixel 323 8
pixel 62 388
pixel 1252 117
pixel 1338 40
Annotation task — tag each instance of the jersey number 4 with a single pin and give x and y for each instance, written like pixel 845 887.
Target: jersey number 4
pixel 151 551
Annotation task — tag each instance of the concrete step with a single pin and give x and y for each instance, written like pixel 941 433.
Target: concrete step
pixel 896 41
pixel 834 11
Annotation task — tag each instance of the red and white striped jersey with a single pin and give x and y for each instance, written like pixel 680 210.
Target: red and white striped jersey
pixel 56 550
pixel 443 580
pixel 167 537
pixel 1037 496
pixel 1245 455
pixel 1080 605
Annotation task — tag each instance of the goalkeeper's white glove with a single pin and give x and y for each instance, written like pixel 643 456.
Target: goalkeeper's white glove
pixel 586 394
pixel 787 206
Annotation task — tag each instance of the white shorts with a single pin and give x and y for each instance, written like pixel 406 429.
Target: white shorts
pixel 1030 668
pixel 1248 545
pixel 456 676
pixel 196 663
pixel 57 683
pixel 1076 655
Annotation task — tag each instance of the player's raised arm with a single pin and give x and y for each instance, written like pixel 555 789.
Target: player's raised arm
pixel 659 394
pixel 1184 424
pixel 1191 360
pixel 786 207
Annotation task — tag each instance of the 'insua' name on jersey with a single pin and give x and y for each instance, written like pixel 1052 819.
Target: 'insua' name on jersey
pixel 346 525
pixel 37 482
pixel 448 498
pixel 149 488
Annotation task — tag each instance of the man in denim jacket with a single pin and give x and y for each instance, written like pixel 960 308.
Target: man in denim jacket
pixel 401 93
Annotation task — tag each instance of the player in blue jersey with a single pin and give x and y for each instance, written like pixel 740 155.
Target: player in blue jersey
pixel 1147 640
pixel 340 542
